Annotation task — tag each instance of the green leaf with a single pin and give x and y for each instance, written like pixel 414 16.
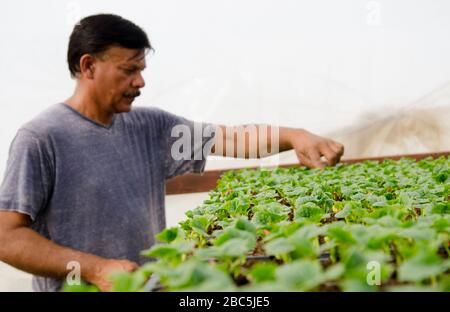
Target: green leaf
pixel 279 246
pixel 442 176
pixel 418 233
pixel 441 208
pixel 168 235
pixel 166 251
pixel 341 235
pixel 309 210
pixel 263 272
pixel 357 285
pixel 161 251
pixel 200 225
pixel 424 265
pixel 235 247
pixel 245 225
pixel 233 233
pixel 271 213
pixel 83 287
pixel 128 282
pixel 301 275
pixel 344 212
pixel 195 276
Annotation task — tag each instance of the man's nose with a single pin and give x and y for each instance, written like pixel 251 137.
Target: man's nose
pixel 139 81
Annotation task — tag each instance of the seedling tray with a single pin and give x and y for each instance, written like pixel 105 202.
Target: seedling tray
pixel 378 224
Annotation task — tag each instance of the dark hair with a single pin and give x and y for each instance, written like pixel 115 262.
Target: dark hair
pixel 96 33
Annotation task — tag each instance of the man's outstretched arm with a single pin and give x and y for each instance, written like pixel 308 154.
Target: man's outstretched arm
pixel 256 141
pixel 25 249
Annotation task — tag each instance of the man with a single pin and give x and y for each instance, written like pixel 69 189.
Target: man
pixel 85 179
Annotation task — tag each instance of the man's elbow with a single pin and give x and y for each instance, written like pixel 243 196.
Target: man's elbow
pixel 9 223
pixel 3 243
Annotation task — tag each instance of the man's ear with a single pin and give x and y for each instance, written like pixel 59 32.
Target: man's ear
pixel 87 66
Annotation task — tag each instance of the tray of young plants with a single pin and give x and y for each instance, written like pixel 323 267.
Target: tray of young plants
pixel 368 226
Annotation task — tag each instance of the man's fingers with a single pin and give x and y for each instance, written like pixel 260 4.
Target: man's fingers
pixel 331 156
pixel 334 146
pixel 314 157
pixel 304 160
pixel 337 147
pixel 128 266
pixel 131 266
pixel 308 162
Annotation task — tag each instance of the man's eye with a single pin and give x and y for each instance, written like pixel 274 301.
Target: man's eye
pixel 128 71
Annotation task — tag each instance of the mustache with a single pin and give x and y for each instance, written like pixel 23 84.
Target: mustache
pixel 132 94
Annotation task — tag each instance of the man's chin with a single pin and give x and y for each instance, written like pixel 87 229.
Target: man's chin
pixel 127 108
pixel 124 108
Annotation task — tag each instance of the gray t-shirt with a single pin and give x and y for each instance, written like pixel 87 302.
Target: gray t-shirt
pixel 94 188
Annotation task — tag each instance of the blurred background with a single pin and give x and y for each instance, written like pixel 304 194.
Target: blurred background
pixel 374 75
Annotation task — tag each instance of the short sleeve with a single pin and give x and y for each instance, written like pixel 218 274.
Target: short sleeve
pixel 188 145
pixel 26 185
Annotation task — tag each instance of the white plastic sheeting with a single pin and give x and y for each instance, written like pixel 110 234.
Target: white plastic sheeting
pixel 333 67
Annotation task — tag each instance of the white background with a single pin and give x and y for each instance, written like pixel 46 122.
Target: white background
pixel 312 64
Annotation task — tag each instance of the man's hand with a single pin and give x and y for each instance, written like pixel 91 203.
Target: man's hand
pixel 101 276
pixel 310 148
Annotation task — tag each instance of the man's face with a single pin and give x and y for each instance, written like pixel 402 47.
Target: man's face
pixel 117 78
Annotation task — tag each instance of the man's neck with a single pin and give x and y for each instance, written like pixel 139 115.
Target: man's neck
pixel 89 108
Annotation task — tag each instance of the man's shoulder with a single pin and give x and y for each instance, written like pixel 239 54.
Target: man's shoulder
pixel 43 124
